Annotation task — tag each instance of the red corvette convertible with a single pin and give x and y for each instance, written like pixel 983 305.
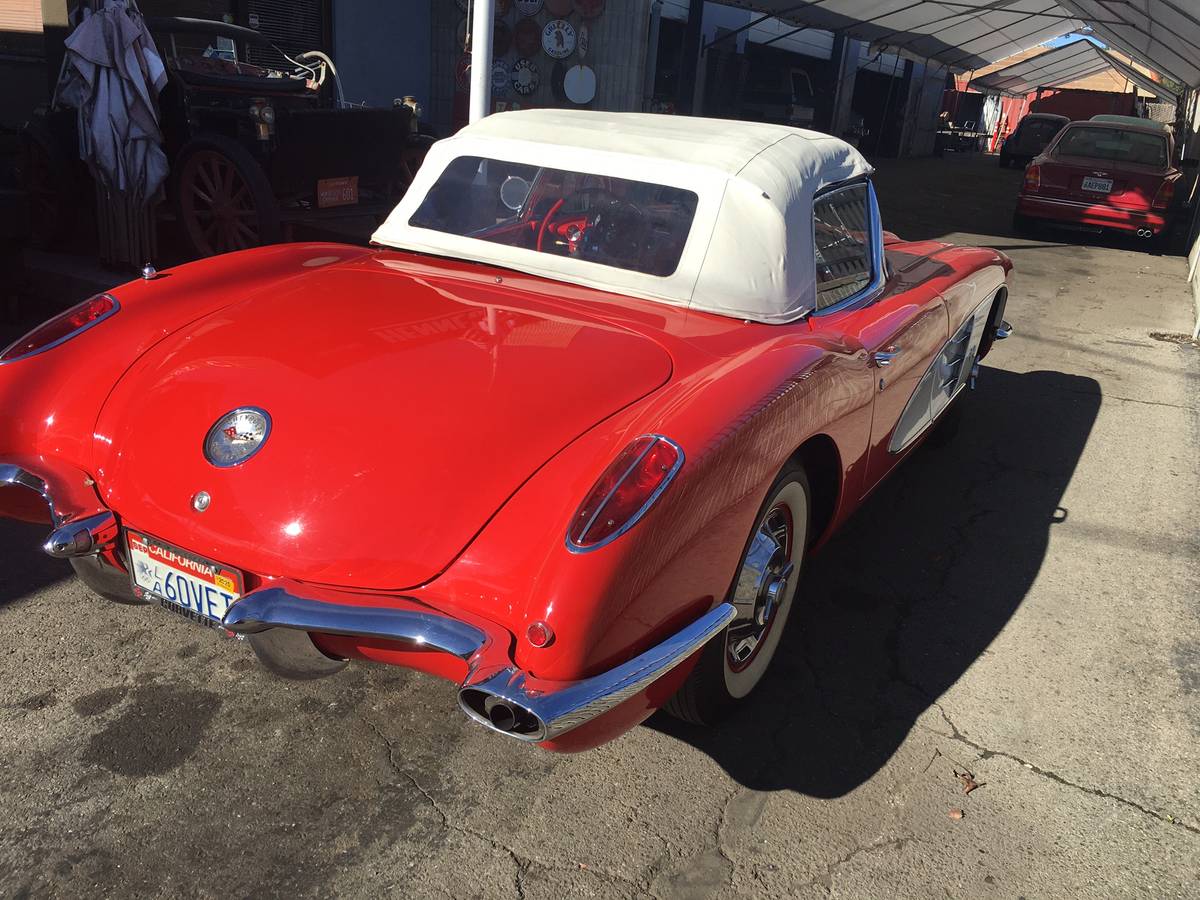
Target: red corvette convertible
pixel 564 436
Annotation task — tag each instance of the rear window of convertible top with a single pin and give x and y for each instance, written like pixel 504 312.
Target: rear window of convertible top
pixel 633 225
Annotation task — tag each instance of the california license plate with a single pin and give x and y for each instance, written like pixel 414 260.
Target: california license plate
pixel 181 581
pixel 1099 185
pixel 337 191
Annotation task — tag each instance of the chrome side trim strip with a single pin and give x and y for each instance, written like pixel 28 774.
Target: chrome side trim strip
pixel 276 608
pixel 557 712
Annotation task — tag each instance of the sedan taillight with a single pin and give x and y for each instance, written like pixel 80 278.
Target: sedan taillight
pixel 623 493
pixel 1033 179
pixel 1164 194
pixel 62 327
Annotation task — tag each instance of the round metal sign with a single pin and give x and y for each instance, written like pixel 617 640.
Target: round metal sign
pixel 580 84
pixel 500 76
pixel 501 38
pixel 529 7
pixel 558 38
pixel 525 77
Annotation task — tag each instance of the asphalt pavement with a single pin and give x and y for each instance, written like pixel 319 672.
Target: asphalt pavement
pixel 1016 608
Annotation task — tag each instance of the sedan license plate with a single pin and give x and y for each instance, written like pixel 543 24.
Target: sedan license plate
pixel 182 582
pixel 1099 185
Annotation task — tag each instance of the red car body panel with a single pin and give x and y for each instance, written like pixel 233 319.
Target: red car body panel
pixel 1135 201
pixel 437 408
pixel 440 439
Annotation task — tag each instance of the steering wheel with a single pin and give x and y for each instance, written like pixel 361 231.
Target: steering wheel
pixel 600 204
pixel 546 222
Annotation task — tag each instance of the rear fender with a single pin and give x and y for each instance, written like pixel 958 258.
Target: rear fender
pixel 737 421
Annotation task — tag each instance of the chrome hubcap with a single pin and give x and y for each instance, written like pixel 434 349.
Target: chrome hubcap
pixel 761 587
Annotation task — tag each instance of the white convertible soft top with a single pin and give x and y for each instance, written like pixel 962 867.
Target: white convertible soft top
pixel 749 253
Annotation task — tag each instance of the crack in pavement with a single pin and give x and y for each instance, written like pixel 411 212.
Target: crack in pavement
pixel 988 753
pixel 521 862
pixel 826 880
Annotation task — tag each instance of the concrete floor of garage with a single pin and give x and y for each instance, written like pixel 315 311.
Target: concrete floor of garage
pixel 1020 603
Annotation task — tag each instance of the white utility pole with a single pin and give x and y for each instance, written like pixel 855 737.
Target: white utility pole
pixel 481 58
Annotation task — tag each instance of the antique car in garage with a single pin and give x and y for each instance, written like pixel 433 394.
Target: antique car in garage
pixel 257 142
pixel 565 435
pixel 1102 176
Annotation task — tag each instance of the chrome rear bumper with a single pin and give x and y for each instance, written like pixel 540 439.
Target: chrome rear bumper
pixel 494 693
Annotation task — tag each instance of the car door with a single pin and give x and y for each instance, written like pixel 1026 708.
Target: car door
pixel 900 331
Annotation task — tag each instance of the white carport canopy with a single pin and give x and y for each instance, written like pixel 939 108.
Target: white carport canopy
pixel 1064 65
pixel 1162 34
pixel 972 34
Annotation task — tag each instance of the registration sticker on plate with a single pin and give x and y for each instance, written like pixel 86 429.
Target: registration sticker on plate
pixel 1099 185
pixel 181 581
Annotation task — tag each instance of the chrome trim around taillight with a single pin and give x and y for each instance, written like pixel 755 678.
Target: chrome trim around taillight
pixel 538 715
pixel 643 509
pixel 116 307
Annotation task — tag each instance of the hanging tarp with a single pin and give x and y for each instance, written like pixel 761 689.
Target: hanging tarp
pixel 112 75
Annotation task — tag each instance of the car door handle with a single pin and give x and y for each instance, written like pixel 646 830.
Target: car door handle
pixel 885 357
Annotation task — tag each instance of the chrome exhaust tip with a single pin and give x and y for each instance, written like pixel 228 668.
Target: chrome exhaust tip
pixel 501 715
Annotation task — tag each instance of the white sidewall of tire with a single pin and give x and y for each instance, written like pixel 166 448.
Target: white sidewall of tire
pixel 792 494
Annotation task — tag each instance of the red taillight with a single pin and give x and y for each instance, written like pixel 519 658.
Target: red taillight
pixel 628 487
pixel 61 327
pixel 1033 179
pixel 1164 194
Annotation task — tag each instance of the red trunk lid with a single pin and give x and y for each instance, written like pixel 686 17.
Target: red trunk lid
pixel 405 410
pixel 1133 187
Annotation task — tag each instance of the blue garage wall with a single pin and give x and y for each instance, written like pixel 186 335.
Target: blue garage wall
pixel 381 48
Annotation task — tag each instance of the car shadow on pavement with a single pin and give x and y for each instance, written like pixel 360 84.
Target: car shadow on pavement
pixel 24 568
pixel 912 591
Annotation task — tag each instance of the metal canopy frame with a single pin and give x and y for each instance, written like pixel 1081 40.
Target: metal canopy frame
pixel 1062 65
pixel 963 35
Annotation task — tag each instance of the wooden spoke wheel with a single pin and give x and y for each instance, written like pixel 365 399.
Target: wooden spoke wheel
pixel 225 202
